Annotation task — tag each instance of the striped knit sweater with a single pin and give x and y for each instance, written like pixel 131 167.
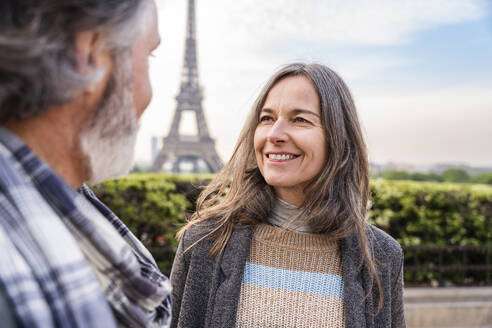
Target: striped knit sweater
pixel 291 279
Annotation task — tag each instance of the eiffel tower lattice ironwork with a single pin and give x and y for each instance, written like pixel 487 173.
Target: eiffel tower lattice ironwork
pixel 178 148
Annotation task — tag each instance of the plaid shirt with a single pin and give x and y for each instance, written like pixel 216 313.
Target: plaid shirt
pixel 67 260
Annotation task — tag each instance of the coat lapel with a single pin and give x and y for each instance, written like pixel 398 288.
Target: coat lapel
pixel 229 277
pixel 354 285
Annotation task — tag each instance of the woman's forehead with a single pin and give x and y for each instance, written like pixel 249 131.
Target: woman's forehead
pixel 294 92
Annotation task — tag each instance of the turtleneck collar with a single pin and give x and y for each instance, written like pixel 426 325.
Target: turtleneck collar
pixel 282 215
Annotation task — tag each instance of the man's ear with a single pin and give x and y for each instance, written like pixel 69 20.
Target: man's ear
pixel 89 49
pixel 91 54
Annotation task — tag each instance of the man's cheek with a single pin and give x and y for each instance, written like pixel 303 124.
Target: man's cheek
pixel 142 94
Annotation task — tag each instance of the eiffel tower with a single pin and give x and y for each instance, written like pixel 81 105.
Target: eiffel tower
pixel 179 148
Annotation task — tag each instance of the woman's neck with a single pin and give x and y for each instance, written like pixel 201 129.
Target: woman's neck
pixel 288 216
pixel 291 195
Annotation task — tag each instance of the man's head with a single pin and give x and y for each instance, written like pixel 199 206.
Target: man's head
pixel 90 53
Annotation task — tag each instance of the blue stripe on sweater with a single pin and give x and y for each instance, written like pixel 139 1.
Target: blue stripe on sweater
pixel 296 281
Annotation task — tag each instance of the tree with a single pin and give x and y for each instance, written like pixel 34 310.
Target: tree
pixel 395 175
pixel 484 178
pixel 426 177
pixel 456 175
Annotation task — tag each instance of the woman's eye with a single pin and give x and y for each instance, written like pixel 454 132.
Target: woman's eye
pixel 265 118
pixel 300 120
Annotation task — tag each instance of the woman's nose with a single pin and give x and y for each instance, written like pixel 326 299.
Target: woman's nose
pixel 278 132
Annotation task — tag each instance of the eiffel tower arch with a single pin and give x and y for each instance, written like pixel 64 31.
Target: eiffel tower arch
pixel 179 148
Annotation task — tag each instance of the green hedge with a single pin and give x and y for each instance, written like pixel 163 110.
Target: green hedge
pixel 427 213
pixel 154 207
pixel 426 218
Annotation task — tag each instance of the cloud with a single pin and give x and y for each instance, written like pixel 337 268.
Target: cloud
pixel 239 48
pixel 379 22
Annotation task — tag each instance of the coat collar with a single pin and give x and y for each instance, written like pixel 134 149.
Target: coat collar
pixel 237 251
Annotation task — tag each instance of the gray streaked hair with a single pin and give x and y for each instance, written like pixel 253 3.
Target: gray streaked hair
pixel 38 64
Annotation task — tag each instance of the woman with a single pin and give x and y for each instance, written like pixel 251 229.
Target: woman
pixel 279 238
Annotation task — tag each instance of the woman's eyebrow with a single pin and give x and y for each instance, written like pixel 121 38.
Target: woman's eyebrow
pixel 304 111
pixel 293 112
pixel 267 110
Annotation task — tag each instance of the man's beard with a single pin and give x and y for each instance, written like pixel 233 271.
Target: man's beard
pixel 108 138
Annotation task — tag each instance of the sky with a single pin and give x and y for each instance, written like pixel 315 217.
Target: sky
pixel 420 71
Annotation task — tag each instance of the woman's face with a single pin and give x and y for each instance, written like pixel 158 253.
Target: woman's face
pixel 289 139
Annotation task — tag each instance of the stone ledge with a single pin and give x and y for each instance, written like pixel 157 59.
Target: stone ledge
pixel 448 294
pixel 448 307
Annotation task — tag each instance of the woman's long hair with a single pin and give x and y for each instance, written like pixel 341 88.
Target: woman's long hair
pixel 336 201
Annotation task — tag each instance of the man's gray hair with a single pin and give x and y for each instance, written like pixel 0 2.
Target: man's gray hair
pixel 38 64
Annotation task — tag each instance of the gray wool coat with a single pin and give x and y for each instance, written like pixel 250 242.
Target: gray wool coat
pixel 206 290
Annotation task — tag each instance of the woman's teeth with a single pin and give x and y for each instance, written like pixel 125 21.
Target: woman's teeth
pixel 281 157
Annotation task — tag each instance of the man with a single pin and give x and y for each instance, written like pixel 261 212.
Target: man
pixel 73 84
